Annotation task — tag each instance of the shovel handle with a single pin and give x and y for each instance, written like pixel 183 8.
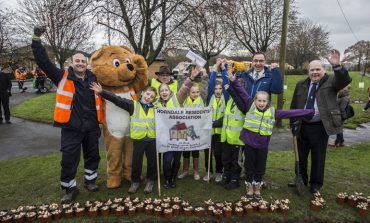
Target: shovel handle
pixel 295 144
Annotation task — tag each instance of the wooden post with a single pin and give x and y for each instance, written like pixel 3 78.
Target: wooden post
pixel 158 176
pixel 209 162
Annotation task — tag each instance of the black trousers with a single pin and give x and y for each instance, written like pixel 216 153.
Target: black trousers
pixel 230 154
pixel 255 164
pixel 149 148
pixel 367 106
pixel 20 84
pixel 194 154
pixel 71 142
pixel 171 163
pixel 216 150
pixel 4 103
pixel 312 138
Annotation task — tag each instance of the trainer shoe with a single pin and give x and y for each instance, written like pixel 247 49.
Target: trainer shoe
pixel 218 177
pixel 183 175
pixel 133 188
pixel 206 178
pixel 149 187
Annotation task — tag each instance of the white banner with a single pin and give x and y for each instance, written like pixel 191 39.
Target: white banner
pixel 183 129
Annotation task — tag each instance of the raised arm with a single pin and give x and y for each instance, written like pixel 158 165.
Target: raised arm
pixel 341 76
pixel 276 86
pixel 42 58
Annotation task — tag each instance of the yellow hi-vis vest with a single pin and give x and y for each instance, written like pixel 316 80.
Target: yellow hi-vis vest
pixel 232 124
pixel 173 86
pixel 197 103
pixel 218 110
pixel 64 100
pixel 142 124
pixel 260 122
pixel 171 103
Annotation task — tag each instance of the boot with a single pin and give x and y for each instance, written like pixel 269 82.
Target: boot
pixel 70 196
pixel 257 191
pixel 167 183
pixel 249 190
pixel 196 168
pixel 173 181
pixel 185 170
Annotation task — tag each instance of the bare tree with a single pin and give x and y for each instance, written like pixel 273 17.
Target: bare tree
pixel 144 24
pixel 205 31
pixel 256 23
pixel 67 26
pixel 306 41
pixel 7 34
pixel 357 52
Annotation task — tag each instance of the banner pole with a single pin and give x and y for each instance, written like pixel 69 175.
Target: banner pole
pixel 158 176
pixel 209 162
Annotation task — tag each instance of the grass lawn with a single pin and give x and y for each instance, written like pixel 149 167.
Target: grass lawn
pixel 40 109
pixel 35 180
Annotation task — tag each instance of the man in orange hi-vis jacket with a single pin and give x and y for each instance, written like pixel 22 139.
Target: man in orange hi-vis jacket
pixel 78 111
pixel 21 74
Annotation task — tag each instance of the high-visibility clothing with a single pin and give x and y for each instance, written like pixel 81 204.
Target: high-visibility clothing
pixel 64 101
pixel 173 86
pixel 261 122
pixel 197 103
pixel 142 124
pixel 218 110
pixel 232 124
pixel 20 75
pixel 171 103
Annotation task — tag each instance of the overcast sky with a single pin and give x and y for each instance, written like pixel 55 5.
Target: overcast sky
pixel 328 14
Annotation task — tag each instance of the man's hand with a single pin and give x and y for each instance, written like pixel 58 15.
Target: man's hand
pixel 334 57
pixel 96 87
pixel 295 126
pixel 39 30
pixel 274 65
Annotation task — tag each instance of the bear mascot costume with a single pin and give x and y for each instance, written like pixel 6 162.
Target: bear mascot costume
pixel 124 73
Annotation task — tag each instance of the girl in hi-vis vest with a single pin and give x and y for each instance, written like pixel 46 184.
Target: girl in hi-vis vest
pixel 142 132
pixel 257 130
pixel 167 98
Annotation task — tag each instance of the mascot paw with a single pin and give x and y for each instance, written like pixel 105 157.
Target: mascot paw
pixel 114 182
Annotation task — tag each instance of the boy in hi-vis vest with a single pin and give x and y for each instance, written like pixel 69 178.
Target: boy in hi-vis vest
pixel 257 130
pixel 142 131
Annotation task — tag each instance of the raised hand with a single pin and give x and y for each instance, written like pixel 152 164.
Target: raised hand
pixel 96 87
pixel 195 71
pixel 273 65
pixel 39 30
pixel 181 67
pixel 231 75
pixel 334 57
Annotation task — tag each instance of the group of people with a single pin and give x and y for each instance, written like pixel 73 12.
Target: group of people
pixel 243 120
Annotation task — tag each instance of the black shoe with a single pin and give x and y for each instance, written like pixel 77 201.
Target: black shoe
pixel 93 187
pixel 315 189
pixel 166 184
pixel 8 122
pixel 224 181
pixel 69 196
pixel 173 182
pixel 292 184
pixel 264 184
pixel 232 185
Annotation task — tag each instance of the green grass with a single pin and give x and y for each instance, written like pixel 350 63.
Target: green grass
pixel 40 109
pixel 35 180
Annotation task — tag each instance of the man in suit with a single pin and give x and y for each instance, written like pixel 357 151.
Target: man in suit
pixel 318 91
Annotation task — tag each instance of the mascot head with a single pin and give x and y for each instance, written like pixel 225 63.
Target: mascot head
pixel 117 67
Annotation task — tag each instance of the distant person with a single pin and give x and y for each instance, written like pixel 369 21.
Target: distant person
pixel 40 77
pixel 367 106
pixel 5 93
pixel 318 91
pixel 20 75
pixel 164 76
pixel 343 102
pixel 78 112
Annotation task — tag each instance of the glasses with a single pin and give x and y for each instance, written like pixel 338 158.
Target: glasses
pixel 256 61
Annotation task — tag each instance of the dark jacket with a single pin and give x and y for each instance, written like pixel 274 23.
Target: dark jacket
pixel 272 82
pixel 326 98
pixel 244 103
pixel 343 101
pixel 83 117
pixel 5 83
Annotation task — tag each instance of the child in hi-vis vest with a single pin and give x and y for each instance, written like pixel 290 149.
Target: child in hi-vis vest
pixel 142 132
pixel 257 129
pixel 192 101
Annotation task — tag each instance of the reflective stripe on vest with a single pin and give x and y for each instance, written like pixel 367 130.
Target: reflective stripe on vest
pixel 260 122
pixel 232 124
pixel 142 124
pixel 218 110
pixel 197 103
pixel 173 86
pixel 64 100
pixel 172 103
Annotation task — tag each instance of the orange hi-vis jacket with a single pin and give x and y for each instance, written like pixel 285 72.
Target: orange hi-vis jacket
pixel 64 100
pixel 20 76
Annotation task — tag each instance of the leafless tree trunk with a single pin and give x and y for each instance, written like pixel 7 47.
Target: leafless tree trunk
pixel 144 24
pixel 67 26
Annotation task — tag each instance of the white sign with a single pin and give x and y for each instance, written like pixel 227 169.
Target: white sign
pixel 183 129
pixel 361 85
pixel 195 57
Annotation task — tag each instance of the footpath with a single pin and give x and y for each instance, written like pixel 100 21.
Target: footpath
pixel 26 138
